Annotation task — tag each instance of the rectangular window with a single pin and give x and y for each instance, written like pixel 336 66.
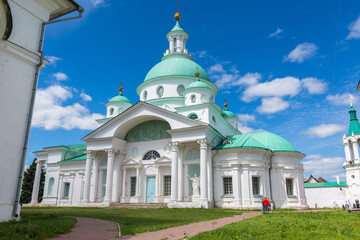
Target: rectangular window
pixel 256 185
pixel 289 187
pixel 167 185
pixel 66 190
pixel 103 185
pixel 133 187
pixel 228 187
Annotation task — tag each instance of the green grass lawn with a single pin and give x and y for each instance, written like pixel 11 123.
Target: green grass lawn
pixel 41 222
pixel 36 226
pixel 280 225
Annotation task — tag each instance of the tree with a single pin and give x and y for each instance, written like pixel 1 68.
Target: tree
pixel 28 183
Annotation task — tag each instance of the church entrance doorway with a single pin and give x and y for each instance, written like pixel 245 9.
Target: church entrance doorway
pixel 150 189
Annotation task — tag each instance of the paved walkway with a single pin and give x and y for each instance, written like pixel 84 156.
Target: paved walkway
pixel 189 230
pixel 91 229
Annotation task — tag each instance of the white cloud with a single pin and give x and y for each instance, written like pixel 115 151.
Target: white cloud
pixel 272 105
pixel 314 85
pixel 342 99
pixel 99 3
pixel 226 78
pixel 52 59
pixel 59 76
pixel 50 112
pixel 279 87
pixel 327 168
pixel 324 130
pixel 302 52
pixel 246 117
pixel 354 28
pixel 276 33
pixel 85 97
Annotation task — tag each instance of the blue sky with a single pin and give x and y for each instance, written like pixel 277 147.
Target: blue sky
pixel 286 67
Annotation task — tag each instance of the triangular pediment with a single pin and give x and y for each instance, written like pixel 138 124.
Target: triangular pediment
pixel 139 113
pixel 163 159
pixel 131 162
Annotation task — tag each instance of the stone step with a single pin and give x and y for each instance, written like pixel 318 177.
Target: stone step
pixel 138 205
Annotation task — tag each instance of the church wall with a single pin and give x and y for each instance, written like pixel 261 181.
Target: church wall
pixel 18 59
pixel 325 197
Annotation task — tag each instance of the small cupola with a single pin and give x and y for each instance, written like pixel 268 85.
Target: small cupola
pixel 198 92
pixel 117 104
pixel 229 116
pixel 354 127
pixel 177 38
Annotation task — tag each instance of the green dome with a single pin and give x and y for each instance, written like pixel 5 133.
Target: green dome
pixel 197 84
pixel 120 98
pixel 176 66
pixel 227 113
pixel 262 140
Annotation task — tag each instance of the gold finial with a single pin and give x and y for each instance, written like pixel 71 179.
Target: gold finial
pixel 225 104
pixel 197 74
pixel 121 89
pixel 177 16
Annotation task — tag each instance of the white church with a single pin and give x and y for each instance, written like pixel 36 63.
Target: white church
pixel 175 146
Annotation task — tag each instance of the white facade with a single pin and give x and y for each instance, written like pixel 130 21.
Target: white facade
pixel 169 149
pixel 20 32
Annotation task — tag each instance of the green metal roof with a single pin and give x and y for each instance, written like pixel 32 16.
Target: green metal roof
pixel 176 66
pixel 77 158
pixel 83 145
pixel 120 98
pixel 324 184
pixel 227 113
pixel 197 84
pixel 177 27
pixel 261 140
pixel 354 123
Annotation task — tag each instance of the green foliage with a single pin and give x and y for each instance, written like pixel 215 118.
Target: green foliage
pixel 134 221
pixel 28 182
pixel 280 225
pixel 36 226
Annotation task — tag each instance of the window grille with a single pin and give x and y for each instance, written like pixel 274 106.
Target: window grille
pixel 228 188
pixel 256 185
pixel 167 185
pixel 133 186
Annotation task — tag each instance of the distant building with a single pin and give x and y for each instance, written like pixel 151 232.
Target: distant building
pixel 21 25
pixel 335 194
pixel 175 146
pixel 312 179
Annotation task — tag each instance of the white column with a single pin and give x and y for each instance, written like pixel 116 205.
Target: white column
pixel 174 171
pixel 172 45
pixel 117 177
pixel 236 185
pixel 109 174
pixel 138 181
pixel 96 180
pixel 157 188
pixel 35 190
pixel 356 151
pixel 246 185
pixel 180 177
pixel 60 187
pixel 203 169
pixel 89 155
pixel 186 182
pixel 123 193
pixel 210 175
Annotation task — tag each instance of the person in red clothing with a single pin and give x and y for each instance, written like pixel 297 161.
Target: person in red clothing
pixel 266 203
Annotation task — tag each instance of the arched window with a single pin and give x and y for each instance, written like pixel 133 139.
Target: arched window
pixel 180 90
pixel 193 116
pixel 175 44
pixel 160 91
pixel 193 98
pixel 151 155
pixel 51 186
pixel 226 142
pixel 145 95
pixel 111 111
